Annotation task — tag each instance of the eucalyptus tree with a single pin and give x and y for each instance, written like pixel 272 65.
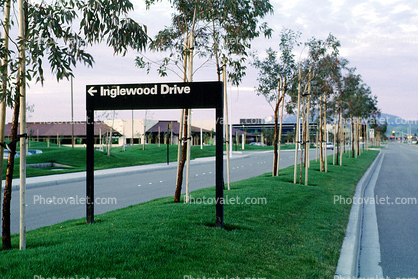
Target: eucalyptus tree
pixel 208 29
pixel 323 60
pixel 311 87
pixel 58 34
pixel 357 102
pixel 273 78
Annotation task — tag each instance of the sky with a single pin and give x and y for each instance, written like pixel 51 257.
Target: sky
pixel 378 37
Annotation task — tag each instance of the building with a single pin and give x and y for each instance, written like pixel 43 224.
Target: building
pixel 132 130
pixel 169 129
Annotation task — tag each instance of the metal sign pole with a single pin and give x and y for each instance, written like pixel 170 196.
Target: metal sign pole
pixel 219 168
pixel 90 167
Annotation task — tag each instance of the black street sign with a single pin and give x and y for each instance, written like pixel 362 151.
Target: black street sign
pixel 155 96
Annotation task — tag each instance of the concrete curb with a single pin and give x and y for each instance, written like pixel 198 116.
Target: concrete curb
pixel 349 257
pixel 369 258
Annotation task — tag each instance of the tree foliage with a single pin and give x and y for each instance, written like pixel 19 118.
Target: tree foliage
pixel 222 27
pixel 277 66
pixel 59 33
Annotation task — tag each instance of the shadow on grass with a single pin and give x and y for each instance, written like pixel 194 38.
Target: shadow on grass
pixel 227 227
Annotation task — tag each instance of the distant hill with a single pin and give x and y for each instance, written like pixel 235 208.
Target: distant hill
pixel 395 123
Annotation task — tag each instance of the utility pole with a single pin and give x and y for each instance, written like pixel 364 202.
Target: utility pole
pixel 72 114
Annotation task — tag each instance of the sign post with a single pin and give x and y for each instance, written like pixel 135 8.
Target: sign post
pixel 169 128
pixel 196 95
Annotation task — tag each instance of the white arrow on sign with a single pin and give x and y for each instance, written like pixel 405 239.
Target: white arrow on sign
pixel 91 91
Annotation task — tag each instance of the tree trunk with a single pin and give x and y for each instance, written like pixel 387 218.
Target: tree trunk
pixel 297 130
pixel 9 177
pixel 321 139
pixel 302 149
pixel 188 61
pixel 280 127
pixel 6 29
pixel 308 141
pixel 276 134
pixel 183 158
pixel 326 132
pixel 352 136
pixel 337 134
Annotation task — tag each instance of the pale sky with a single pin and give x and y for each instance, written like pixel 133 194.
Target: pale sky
pixel 378 37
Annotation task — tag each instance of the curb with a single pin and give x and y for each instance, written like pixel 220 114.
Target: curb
pixel 350 251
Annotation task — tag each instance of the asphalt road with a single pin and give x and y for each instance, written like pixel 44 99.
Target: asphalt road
pixel 121 190
pixel 397 217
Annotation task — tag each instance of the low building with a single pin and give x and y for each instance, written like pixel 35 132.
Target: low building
pixel 169 129
pixel 132 130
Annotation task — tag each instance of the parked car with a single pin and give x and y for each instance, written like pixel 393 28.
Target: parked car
pixel 330 145
pixel 255 143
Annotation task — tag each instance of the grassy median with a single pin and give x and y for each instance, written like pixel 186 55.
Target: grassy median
pixel 273 229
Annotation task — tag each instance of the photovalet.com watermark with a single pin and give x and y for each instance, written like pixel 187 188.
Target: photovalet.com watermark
pixel 338 199
pixel 76 200
pixel 227 200
pixel 70 277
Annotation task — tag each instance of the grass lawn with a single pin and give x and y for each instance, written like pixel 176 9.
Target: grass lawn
pixel 294 232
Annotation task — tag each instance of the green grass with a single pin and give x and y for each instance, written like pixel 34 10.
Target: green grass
pixel 298 233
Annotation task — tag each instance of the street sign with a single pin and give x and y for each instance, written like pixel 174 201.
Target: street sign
pixel 153 96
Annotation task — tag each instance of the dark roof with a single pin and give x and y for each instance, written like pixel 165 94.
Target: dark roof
pixel 52 129
pixel 175 127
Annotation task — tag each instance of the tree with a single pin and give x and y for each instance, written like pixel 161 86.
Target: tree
pixel 322 62
pixel 207 29
pixel 50 38
pixel 356 101
pixel 273 76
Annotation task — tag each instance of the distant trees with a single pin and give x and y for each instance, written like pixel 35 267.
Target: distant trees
pixel 320 86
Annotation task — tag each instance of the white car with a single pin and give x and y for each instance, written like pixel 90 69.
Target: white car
pixel 330 145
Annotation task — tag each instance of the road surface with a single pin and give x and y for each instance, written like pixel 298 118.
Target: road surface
pixel 397 217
